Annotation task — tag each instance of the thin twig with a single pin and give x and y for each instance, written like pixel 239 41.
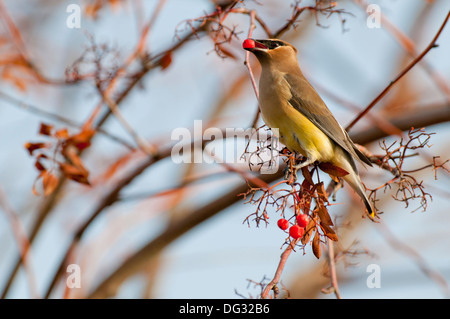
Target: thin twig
pixel 40 112
pixel 252 15
pixel 276 278
pixel 22 242
pixel 143 145
pixel 402 73
pixel 332 264
pixel 408 45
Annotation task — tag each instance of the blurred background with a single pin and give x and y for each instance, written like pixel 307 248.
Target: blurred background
pixel 111 91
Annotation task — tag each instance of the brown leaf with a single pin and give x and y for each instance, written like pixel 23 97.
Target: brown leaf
pixel 75 173
pixel 325 218
pixel 320 188
pixel 166 60
pixel 39 166
pixel 316 245
pixel 306 185
pixel 307 175
pixel 45 129
pixel 49 182
pixel 81 140
pixel 62 134
pixel 33 189
pixel 31 147
pixel 309 230
pixel 329 232
pixel 74 159
pixel 306 205
pixel 333 170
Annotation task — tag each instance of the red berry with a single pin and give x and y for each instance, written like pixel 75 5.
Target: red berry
pixel 302 220
pixel 248 44
pixel 296 231
pixel 283 224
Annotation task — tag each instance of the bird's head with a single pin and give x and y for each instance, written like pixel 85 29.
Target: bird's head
pixel 270 50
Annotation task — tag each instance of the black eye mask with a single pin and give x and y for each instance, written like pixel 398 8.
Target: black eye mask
pixel 271 44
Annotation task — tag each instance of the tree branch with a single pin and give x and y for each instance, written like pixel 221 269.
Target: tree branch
pixel 402 73
pixel 109 285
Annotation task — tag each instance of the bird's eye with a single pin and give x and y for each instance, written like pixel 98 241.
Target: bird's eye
pixel 277 44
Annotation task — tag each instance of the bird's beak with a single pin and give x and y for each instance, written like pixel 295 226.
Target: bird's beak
pixel 253 45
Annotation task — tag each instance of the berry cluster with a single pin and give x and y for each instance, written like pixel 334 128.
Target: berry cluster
pixel 295 231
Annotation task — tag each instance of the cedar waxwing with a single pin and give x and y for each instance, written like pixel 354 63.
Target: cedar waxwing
pixel 289 103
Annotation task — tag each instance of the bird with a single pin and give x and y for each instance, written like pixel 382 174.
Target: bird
pixel 291 105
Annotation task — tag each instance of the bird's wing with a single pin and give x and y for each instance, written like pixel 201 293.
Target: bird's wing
pixel 307 101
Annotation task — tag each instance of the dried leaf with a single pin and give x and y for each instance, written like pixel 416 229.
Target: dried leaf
pixel 166 60
pixel 62 134
pixel 49 182
pixel 306 185
pixel 31 147
pixel 33 189
pixel 309 230
pixel 307 175
pixel 333 170
pixel 73 157
pixel 329 232
pixel 45 129
pixel 306 205
pixel 81 140
pixel 325 218
pixel 320 188
pixel 75 173
pixel 316 245
pixel 39 166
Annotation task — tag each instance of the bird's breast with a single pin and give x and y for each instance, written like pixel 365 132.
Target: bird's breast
pixel 296 131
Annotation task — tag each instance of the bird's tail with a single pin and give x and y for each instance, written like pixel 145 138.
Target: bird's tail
pixel 345 161
pixel 355 182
